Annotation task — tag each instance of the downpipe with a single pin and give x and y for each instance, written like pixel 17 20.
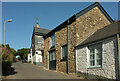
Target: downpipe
pixel 68 47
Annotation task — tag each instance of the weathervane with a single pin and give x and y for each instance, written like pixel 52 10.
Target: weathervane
pixel 37 19
pixel 37 22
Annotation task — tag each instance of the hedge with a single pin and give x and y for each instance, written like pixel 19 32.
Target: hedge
pixel 6 66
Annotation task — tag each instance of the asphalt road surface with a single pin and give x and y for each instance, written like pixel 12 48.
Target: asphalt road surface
pixel 30 71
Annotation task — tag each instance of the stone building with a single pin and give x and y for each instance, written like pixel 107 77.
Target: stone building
pixel 59 47
pixel 98 55
pixel 37 45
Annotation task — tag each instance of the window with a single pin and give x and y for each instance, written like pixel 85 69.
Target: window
pixel 52 56
pixel 64 52
pixel 52 40
pixel 95 55
pixel 36 52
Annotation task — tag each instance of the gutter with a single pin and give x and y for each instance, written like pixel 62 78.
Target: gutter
pixel 67 48
pixel 118 52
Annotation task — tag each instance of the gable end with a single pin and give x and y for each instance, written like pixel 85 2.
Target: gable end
pixel 96 4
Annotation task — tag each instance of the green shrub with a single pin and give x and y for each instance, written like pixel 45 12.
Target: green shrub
pixel 6 65
pixel 79 75
pixel 86 77
pixel 7 58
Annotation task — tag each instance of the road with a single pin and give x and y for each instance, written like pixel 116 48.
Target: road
pixel 30 71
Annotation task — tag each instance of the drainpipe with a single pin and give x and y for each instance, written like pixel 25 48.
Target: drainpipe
pixel 68 47
pixel 118 51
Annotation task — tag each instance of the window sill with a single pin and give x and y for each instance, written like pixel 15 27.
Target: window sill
pixel 63 60
pixel 52 47
pixel 52 60
pixel 95 67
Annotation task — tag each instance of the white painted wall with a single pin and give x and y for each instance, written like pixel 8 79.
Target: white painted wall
pixel 37 57
pixel 109 53
pixel 29 57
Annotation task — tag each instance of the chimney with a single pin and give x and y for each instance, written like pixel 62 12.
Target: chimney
pixel 37 22
pixel 37 25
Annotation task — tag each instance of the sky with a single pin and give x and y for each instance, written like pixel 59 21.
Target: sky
pixel 50 14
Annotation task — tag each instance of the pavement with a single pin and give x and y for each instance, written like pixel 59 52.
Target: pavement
pixel 31 71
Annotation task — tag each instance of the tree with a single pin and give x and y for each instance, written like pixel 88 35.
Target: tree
pixel 1 45
pixel 7 47
pixel 6 55
pixel 7 59
pixel 13 51
pixel 25 56
pixel 22 52
pixel 7 52
pixel 19 58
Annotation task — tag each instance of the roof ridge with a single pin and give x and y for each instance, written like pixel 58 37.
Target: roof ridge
pixel 101 34
pixel 87 7
pixel 108 25
pixel 88 36
pixel 43 28
pixel 95 4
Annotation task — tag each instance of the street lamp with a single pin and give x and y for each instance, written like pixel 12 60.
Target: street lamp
pixel 9 20
pixel 5 30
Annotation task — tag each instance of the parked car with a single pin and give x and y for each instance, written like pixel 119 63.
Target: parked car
pixel 24 60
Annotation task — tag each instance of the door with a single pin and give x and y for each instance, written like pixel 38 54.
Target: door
pixel 52 60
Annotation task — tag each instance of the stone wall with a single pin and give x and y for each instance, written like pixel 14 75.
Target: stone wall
pixel 39 43
pixel 109 54
pixel 72 44
pixel 60 40
pixel 79 30
pixel 46 54
pixel 88 23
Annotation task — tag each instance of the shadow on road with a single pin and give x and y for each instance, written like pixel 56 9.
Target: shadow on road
pixel 10 72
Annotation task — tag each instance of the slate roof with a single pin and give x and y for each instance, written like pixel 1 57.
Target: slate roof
pixel 107 31
pixel 75 16
pixel 40 31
